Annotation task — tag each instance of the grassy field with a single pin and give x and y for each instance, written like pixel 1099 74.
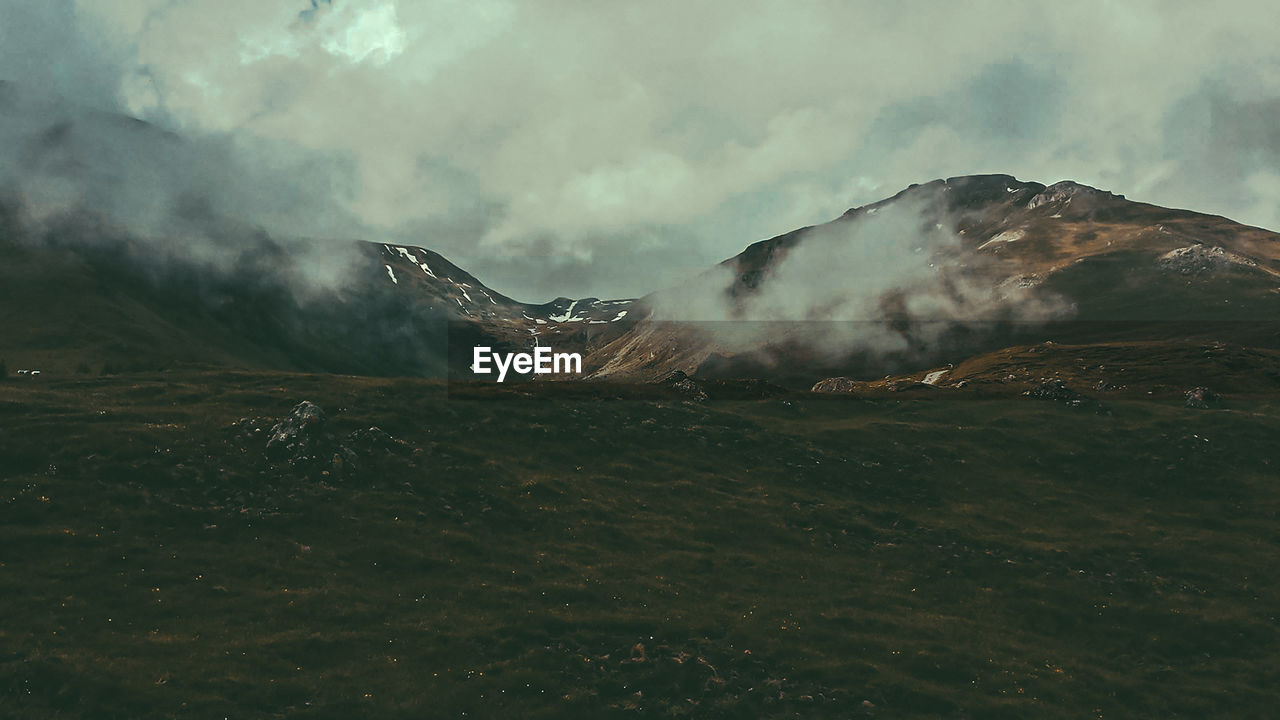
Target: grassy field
pixel 596 552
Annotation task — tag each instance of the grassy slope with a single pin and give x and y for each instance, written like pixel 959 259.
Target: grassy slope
pixel 59 313
pixel 560 556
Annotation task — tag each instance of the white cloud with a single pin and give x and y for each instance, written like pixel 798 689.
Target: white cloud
pixel 373 34
pixel 541 128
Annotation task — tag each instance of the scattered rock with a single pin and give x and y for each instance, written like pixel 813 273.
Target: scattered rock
pixel 373 441
pixel 835 385
pixel 679 381
pixel 1202 398
pixel 303 442
pixel 1058 391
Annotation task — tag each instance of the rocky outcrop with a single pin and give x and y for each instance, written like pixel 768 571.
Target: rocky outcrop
pixel 1058 391
pixel 1066 190
pixel 303 441
pixel 1202 398
pixel 1201 259
pixel 1194 260
pixel 835 385
pixel 679 381
pixel 301 434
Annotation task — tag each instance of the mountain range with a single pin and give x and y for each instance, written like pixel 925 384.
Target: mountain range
pixel 940 270
pixel 935 274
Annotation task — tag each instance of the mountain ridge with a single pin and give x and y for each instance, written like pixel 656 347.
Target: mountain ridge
pixel 406 309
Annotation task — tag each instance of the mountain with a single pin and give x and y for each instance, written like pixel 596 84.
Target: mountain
pixel 83 298
pixel 1000 262
pixel 938 272
pixel 1035 235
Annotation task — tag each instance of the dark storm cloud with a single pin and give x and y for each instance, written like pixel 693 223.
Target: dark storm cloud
pixel 72 164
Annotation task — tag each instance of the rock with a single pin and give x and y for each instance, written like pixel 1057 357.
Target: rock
pixel 1066 190
pixel 1197 259
pixel 373 441
pixel 1058 391
pixel 679 381
pixel 251 428
pixel 303 433
pixel 303 443
pixel 835 385
pixel 1202 398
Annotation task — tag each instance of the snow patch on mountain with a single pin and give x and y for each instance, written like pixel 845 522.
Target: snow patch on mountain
pixel 933 377
pixel 1007 236
pixel 567 316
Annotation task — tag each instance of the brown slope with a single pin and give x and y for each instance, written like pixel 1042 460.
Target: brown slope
pixel 1117 268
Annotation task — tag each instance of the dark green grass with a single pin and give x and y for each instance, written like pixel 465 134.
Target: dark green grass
pixel 550 554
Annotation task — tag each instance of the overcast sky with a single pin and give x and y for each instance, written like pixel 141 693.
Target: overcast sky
pixel 574 148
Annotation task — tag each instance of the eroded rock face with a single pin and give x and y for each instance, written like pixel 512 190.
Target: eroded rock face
pixel 1063 191
pixel 1067 190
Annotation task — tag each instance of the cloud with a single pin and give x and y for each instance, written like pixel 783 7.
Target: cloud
pixel 545 139
pixel 890 278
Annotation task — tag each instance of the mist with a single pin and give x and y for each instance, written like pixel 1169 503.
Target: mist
pixel 890 278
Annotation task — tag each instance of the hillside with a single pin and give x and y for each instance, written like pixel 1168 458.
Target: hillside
pixel 1000 262
pixel 86 300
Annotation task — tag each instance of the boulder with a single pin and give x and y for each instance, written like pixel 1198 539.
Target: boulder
pixel 679 381
pixel 1202 398
pixel 302 434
